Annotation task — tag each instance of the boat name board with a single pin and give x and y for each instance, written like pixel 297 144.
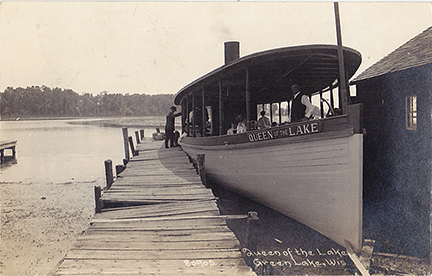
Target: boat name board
pixel 305 128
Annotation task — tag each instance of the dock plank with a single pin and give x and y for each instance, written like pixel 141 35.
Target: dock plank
pixel 166 222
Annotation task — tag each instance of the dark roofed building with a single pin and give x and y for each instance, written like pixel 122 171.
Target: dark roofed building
pixel 396 93
pixel 414 53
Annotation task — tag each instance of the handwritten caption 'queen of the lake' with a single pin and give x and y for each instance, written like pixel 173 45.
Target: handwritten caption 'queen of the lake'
pixel 297 257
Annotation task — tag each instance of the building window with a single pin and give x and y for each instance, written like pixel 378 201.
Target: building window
pixel 411 112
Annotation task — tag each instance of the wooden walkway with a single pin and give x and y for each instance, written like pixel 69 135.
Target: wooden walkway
pixel 172 228
pixel 7 145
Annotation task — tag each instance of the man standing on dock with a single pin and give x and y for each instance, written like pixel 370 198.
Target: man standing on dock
pixel 169 127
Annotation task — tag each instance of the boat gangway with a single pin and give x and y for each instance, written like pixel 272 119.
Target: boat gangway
pixel 157 218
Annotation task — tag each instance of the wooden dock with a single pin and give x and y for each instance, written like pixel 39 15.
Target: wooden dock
pixel 7 145
pixel 158 219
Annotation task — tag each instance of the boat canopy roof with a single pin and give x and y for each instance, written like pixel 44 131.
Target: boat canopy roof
pixel 270 74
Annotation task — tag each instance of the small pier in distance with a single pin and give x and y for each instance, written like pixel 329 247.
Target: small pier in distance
pixel 8 145
pixel 157 218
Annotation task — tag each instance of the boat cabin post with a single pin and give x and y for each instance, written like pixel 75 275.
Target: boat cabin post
pixel 221 111
pixel 203 113
pixel 248 102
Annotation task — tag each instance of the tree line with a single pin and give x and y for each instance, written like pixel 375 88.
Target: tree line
pixel 43 101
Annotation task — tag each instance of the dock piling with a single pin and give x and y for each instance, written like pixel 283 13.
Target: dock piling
pixel 366 253
pixel 126 143
pixel 109 173
pixel 134 152
pixel 142 134
pixel 120 169
pixel 137 137
pixel 201 168
pixel 98 201
pixel 7 145
pixel 251 231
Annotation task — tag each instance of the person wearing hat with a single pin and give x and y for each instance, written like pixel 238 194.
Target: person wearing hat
pixel 169 126
pixel 301 107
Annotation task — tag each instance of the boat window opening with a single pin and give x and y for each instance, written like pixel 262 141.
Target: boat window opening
pixel 275 113
pixel 331 96
pixel 411 112
pixel 198 121
pixel 279 110
pixel 284 112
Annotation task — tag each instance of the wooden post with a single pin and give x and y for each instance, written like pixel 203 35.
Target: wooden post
pixel 187 127
pixel 137 137
pixel 251 231
pixel 142 134
pixel 248 101
pixel 220 109
pixel 289 111
pixel 203 120
pixel 280 113
pixel 126 143
pixel 343 93
pixel 355 259
pixel 321 104
pixel 125 161
pixel 134 152
pixel 120 169
pixel 201 168
pixel 271 113
pixel 98 201
pixel 109 173
pixel 366 253
pixel 193 116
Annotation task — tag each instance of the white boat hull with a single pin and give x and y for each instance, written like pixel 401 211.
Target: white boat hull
pixel 318 182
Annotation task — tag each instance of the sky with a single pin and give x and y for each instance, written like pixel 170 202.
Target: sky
pixel 159 47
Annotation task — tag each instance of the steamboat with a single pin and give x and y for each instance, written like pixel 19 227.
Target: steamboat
pixel 309 170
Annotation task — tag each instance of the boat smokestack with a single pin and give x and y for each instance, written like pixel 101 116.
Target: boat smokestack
pixel 232 51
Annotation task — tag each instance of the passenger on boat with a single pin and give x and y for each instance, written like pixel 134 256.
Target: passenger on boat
pixel 241 125
pixel 315 113
pixel 176 138
pixel 263 122
pixel 184 134
pixel 301 107
pixel 198 120
pixel 169 126
pixel 232 130
pixel 253 125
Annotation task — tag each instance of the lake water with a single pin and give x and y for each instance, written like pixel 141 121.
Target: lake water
pixel 62 151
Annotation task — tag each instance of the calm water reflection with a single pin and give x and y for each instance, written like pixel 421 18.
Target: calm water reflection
pixel 68 150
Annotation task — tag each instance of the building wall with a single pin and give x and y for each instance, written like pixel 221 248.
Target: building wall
pixel 397 161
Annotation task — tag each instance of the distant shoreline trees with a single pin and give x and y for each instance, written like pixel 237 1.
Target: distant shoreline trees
pixel 35 101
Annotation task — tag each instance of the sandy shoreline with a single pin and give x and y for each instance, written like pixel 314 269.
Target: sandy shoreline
pixel 40 222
